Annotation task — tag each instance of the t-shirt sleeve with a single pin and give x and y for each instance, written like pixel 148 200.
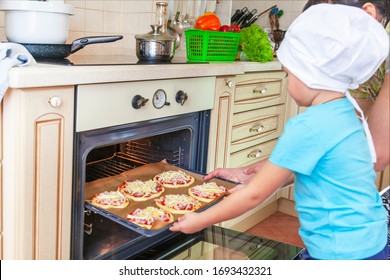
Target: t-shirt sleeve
pixel 298 149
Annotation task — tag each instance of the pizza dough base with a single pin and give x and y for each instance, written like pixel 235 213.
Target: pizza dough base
pixel 171 219
pixel 121 187
pixel 176 211
pixel 175 186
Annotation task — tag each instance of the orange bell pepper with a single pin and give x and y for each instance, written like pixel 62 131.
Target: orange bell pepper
pixel 208 21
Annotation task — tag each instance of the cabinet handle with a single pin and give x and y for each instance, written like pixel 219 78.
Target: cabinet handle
pixel 261 91
pixel 261 128
pixel 55 101
pixel 229 84
pixel 257 154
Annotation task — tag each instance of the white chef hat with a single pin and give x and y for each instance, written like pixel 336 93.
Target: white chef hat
pixel 334 47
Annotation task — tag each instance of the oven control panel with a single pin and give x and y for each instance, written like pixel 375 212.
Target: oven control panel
pixel 106 105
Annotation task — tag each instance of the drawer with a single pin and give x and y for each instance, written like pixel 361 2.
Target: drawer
pixel 259 90
pixel 252 154
pixel 253 127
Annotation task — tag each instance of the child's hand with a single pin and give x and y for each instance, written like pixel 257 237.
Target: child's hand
pixel 239 175
pixel 236 188
pixel 189 223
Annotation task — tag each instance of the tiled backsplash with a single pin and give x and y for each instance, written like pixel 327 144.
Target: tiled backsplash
pixel 131 17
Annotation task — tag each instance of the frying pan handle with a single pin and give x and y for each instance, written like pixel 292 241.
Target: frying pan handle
pixel 82 42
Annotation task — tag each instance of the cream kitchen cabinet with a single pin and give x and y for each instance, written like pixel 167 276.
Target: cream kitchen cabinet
pixel 248 117
pixel 37 145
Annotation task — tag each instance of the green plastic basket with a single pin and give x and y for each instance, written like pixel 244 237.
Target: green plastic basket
pixel 205 45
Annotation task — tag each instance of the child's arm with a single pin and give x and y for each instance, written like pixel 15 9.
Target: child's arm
pixel 266 181
pixel 240 174
pixel 378 119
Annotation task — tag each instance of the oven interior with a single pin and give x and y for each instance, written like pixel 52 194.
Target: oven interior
pixel 104 238
pixel 114 159
pixel 102 153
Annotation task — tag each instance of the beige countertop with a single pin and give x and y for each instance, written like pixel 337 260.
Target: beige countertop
pixel 44 75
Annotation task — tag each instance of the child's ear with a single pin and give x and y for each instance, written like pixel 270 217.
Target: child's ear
pixel 370 9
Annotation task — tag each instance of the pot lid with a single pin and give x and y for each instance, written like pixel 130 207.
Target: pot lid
pixel 38 6
pixel 155 34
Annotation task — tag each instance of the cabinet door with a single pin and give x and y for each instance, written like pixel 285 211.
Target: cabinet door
pixel 221 123
pixel 247 119
pixel 38 126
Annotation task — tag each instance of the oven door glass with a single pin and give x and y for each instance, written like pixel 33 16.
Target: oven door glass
pixel 216 243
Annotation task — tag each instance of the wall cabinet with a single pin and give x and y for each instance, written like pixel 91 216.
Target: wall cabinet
pixel 248 117
pixel 37 168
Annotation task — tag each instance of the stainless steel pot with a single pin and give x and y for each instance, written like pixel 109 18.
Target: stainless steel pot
pixel 155 46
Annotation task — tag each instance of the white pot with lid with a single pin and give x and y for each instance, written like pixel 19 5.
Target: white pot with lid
pixel 36 22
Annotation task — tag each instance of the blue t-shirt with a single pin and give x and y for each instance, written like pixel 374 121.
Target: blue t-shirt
pixel 339 208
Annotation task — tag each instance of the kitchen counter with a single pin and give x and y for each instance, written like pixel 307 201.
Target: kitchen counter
pixel 46 75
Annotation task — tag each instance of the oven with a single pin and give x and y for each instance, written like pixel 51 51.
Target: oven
pixel 124 126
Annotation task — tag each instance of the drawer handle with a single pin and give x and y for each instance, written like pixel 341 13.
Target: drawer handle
pixel 261 91
pixel 261 128
pixel 257 154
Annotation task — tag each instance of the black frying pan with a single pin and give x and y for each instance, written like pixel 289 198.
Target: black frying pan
pixel 50 51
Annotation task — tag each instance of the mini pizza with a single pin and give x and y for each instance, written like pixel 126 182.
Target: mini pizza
pixel 174 179
pixel 207 192
pixel 146 217
pixel 110 199
pixel 139 190
pixel 178 203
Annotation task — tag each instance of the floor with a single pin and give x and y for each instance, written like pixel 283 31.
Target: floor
pixel 280 227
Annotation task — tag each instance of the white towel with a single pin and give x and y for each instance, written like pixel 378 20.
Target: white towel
pixel 11 54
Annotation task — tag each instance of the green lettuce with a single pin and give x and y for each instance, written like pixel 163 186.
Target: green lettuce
pixel 255 44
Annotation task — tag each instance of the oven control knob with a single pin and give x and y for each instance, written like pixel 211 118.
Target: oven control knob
pixel 139 101
pixel 181 97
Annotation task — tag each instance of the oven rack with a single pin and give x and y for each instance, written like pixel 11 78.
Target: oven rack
pixel 132 155
pixel 145 153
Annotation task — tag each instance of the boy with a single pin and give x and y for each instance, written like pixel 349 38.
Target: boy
pixel 327 50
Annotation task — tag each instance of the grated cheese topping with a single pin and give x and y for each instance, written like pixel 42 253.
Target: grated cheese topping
pixel 210 189
pixel 141 187
pixel 178 201
pixel 174 177
pixel 148 215
pixel 110 198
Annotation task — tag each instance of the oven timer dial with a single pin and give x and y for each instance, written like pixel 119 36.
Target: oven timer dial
pixel 160 99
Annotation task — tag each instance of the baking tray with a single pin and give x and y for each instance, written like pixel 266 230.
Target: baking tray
pixel 144 172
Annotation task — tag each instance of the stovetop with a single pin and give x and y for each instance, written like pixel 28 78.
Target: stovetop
pixel 98 60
